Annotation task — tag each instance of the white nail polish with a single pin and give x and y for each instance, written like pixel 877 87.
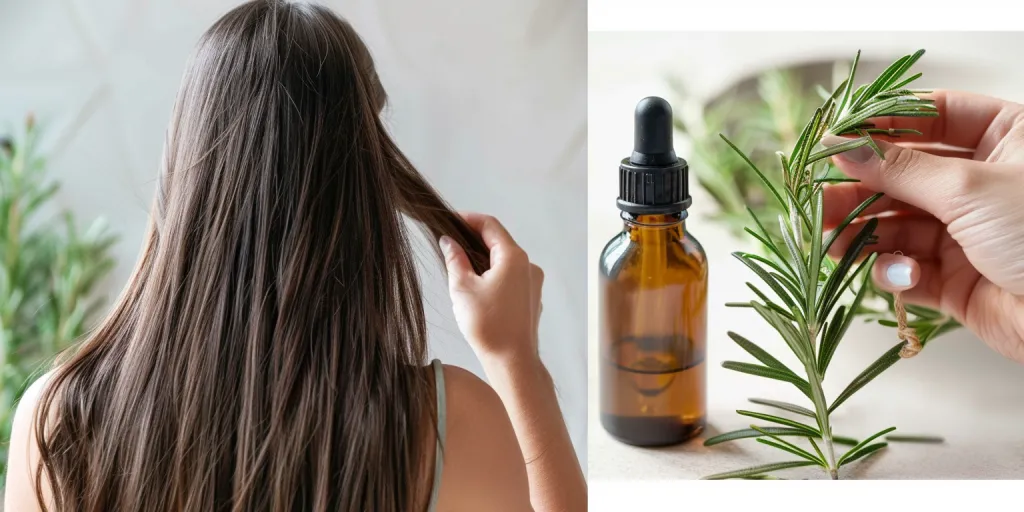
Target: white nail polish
pixel 898 274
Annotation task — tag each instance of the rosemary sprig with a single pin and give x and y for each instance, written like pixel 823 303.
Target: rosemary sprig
pixel 774 119
pixel 807 285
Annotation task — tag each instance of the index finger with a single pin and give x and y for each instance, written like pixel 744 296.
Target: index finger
pixel 964 120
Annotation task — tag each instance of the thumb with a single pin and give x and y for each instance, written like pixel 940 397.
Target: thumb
pixel 460 271
pixel 933 183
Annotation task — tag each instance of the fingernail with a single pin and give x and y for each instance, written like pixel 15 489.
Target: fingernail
pixel 446 244
pixel 898 274
pixel 857 155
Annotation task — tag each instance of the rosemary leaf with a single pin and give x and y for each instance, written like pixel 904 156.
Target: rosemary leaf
pixel 830 292
pixel 853 451
pixel 888 359
pixel 905 438
pixel 864 452
pixel 838 148
pixel 760 354
pixel 767 184
pixel 848 219
pixel 749 432
pixel 792 448
pixel 797 343
pixel 767 278
pixel 759 470
pixel 781 421
pixel 770 373
pixel 796 409
pixel 817 450
pixel 848 85
pixel 907 82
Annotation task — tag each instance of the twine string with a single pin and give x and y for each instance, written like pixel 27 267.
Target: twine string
pixel 903 331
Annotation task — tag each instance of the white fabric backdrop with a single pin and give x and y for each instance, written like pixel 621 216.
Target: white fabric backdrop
pixel 487 98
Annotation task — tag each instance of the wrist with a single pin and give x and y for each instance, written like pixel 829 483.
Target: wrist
pixel 520 366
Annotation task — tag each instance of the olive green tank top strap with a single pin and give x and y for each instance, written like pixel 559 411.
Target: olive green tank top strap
pixel 442 410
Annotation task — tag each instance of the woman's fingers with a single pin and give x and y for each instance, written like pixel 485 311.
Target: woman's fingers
pixel 939 150
pixel 843 198
pixel 896 273
pixel 932 183
pixel 504 249
pixel 892 272
pixel 460 271
pixel 964 120
pixel 490 229
pixel 913 235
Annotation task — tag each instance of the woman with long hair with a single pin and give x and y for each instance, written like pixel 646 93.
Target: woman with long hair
pixel 269 351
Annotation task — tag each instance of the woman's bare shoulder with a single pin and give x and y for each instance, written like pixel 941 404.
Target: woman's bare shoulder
pixel 22 453
pixel 483 465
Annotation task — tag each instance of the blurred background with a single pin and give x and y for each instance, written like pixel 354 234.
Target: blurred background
pixel 487 99
pixel 757 88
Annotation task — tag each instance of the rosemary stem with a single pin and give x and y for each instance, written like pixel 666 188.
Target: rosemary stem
pixel 821 410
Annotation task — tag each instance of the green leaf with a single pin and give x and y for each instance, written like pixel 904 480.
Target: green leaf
pixel 830 339
pixel 796 409
pixel 888 359
pixel 838 148
pixel 767 184
pixel 749 432
pixel 792 448
pixel 846 222
pixel 817 450
pixel 769 373
pixel 863 443
pixel 864 452
pixel 849 441
pixel 795 251
pixel 831 301
pixel 848 91
pixel 904 438
pixel 767 278
pixel 806 141
pixel 789 334
pixel 907 82
pixel 830 292
pixel 770 245
pixel 781 421
pixel 836 180
pixel 815 260
pixel 759 470
pixel 791 284
pixel 760 354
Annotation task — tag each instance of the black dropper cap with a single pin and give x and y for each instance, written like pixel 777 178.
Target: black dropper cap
pixel 653 180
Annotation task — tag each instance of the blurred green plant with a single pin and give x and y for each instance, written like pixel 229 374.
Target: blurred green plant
pixel 772 119
pixel 49 271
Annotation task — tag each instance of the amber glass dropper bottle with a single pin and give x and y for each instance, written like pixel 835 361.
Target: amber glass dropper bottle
pixel 653 296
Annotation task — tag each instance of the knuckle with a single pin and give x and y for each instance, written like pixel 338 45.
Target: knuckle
pixel 898 163
pixel 538 273
pixel 518 256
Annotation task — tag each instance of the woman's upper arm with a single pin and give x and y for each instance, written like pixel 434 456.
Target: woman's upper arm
pixel 483 465
pixel 22 453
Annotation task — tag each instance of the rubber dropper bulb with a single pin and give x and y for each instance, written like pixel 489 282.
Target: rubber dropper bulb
pixel 652 133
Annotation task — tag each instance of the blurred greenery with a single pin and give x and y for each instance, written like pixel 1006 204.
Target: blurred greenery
pixel 49 272
pixel 761 124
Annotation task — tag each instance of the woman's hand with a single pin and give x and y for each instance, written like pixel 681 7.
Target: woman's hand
pixel 498 312
pixel 957 216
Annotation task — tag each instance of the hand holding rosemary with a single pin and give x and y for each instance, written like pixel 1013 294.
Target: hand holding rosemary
pixel 807 284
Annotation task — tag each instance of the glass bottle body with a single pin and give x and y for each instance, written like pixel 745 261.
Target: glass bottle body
pixel 653 309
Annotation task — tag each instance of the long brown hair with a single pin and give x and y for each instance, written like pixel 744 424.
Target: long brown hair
pixel 267 352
